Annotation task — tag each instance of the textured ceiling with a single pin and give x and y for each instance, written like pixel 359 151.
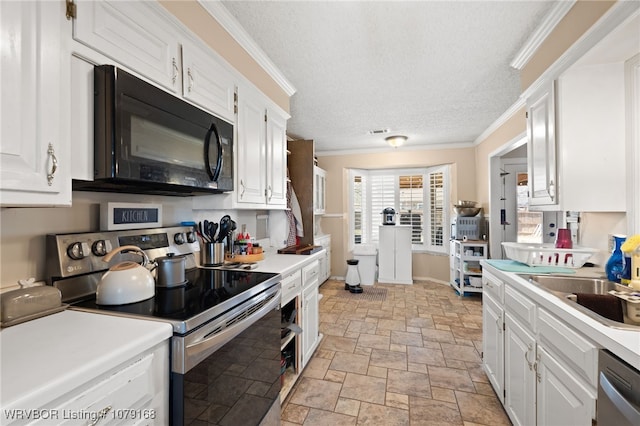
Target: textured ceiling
pixel 435 71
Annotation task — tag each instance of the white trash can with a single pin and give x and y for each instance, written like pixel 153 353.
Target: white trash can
pixel 367 256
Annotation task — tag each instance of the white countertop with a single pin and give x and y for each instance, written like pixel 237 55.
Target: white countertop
pixel 285 263
pixel 623 343
pixel 42 359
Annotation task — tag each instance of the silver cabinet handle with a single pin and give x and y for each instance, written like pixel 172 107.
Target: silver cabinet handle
pixel 54 165
pixel 498 324
pixel 535 367
pixel 190 79
pixel 269 192
pixel 488 284
pixel 243 188
pixel 552 189
pixel 175 70
pixel 526 357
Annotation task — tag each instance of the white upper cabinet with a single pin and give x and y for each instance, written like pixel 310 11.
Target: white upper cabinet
pixel 276 158
pixel 250 148
pixel 133 33
pixel 34 135
pixel 319 193
pixel 207 83
pixel 541 148
pixel 142 37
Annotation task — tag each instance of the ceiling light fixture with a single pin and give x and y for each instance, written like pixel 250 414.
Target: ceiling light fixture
pixel 395 141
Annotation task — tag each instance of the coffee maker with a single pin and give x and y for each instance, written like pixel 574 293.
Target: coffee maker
pixel 389 216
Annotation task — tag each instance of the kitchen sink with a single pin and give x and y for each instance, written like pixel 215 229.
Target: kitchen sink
pixel 567 288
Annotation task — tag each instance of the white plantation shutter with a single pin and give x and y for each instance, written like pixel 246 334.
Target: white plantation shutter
pixel 437 200
pixel 411 203
pixel 419 196
pixel 382 193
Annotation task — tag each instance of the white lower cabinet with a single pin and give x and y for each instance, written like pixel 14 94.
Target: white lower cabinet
pixel 135 393
pixel 562 399
pixel 493 343
pixel 325 261
pixel 395 254
pixel 310 311
pixel 543 371
pixel 519 374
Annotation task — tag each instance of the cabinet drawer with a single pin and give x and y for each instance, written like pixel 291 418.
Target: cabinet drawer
pixel 291 286
pixel 521 307
pixel 577 352
pixel 493 286
pixel 119 396
pixel 310 273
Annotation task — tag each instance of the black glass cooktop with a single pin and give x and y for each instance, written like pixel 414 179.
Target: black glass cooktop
pixel 205 290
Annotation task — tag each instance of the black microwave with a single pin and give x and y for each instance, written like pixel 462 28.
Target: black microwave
pixel 149 141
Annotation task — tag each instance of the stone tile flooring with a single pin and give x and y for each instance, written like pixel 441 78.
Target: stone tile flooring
pixel 412 359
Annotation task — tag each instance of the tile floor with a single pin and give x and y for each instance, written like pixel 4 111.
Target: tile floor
pixel 411 359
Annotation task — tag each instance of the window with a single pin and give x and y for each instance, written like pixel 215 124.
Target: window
pixel 419 197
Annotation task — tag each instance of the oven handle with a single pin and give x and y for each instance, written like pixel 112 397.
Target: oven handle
pixel 625 407
pixel 200 349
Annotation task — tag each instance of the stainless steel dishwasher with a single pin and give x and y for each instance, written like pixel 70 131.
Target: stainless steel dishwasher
pixel 618 392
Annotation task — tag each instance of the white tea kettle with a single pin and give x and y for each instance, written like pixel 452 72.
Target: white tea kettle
pixel 126 282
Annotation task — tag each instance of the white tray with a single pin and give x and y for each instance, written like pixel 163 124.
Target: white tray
pixel 548 255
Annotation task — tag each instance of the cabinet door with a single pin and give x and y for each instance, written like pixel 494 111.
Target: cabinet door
pixel 386 259
pixel 319 190
pixel 310 321
pixel 519 375
pixel 561 398
pixel 403 254
pixel 206 82
pixel 251 152
pixel 493 343
pixel 541 148
pixel 137 34
pixel 34 131
pixel 276 159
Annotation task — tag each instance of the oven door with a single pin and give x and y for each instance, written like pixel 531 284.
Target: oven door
pixel 228 372
pixel 145 134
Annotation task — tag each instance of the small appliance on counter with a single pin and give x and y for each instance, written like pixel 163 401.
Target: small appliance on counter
pixel 388 216
pixel 468 223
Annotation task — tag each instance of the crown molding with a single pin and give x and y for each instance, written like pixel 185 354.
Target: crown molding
pixel 387 149
pixel 221 14
pixel 515 107
pixel 555 15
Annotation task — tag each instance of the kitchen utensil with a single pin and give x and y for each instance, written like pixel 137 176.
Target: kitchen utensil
pixel 212 254
pixel 27 303
pixel 225 226
pixel 213 228
pixel 465 203
pixel 126 282
pixel 563 239
pixel 170 270
pixel 202 233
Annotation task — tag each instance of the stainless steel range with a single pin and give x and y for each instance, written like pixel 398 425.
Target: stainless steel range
pixel 225 349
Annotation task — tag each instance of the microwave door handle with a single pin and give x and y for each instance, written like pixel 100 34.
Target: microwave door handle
pixel 216 174
pixel 207 143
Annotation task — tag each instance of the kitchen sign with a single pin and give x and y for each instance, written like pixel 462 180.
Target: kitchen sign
pixel 118 216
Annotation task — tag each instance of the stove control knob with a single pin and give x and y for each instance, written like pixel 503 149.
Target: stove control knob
pixel 191 237
pixel 99 248
pixel 76 250
pixel 179 238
